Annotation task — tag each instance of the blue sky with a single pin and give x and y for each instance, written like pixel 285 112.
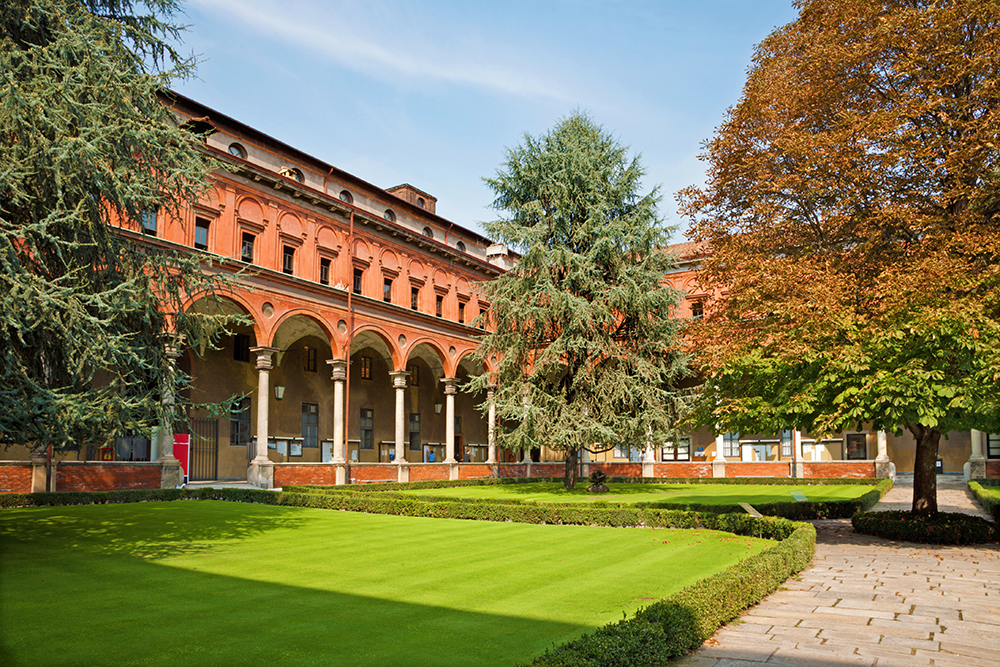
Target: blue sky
pixel 431 92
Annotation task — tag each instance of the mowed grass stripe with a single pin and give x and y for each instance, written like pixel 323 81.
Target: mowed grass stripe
pixel 224 583
pixel 678 494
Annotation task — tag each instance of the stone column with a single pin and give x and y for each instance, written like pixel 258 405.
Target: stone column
pixel 261 470
pixel 399 384
pixel 491 425
pixel 171 474
pixel 975 467
pixel 450 389
pixel 338 371
pixel 798 468
pixel 719 462
pixel 648 457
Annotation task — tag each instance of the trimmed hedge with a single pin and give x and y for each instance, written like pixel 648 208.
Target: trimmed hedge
pixel 681 622
pixel 989 502
pixel 941 528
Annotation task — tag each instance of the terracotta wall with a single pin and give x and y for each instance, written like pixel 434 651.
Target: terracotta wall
pixel 761 469
pixel 363 474
pixel 299 473
pixel 97 476
pixel 472 471
pixel 617 469
pixel 15 477
pixel 842 469
pixel 512 470
pixel 432 471
pixel 682 470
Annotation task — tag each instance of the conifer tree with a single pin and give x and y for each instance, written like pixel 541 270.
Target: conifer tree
pixel 581 330
pixel 88 146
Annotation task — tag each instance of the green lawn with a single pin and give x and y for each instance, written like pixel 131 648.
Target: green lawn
pixel 993 490
pixel 679 494
pixel 214 583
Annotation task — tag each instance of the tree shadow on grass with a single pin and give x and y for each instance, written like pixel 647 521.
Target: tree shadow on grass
pixel 112 610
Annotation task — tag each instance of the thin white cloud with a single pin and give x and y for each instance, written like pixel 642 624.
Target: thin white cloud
pixel 325 32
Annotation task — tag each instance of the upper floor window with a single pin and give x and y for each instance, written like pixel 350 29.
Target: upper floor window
pixel 461 313
pixel 460 246
pixel 346 196
pixel 201 233
pixel 697 310
pixel 420 202
pixel 238 151
pixel 414 371
pixel 324 271
pixel 287 259
pixel 366 368
pixel 147 220
pixel 439 305
pixel 428 232
pixel 414 298
pixel 309 359
pixel 359 275
pixel 387 290
pixel 389 215
pixel 246 248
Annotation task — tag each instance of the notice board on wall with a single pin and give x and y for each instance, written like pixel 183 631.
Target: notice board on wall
pixel 182 452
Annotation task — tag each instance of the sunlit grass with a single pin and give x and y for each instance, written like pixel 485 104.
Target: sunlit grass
pixel 213 583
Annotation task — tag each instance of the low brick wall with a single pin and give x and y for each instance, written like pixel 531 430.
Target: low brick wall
pixel 15 477
pixel 618 469
pixel 364 473
pixel 761 469
pixel 992 469
pixel 106 476
pixel 429 472
pixel 286 474
pixel 472 471
pixel 682 470
pixel 833 469
pixel 557 469
pixel 512 470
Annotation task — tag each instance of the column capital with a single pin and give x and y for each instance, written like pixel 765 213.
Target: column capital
pixel 264 362
pixel 399 379
pixel 338 369
pixel 450 386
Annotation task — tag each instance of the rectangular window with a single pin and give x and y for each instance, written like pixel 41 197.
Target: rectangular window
pixel 246 248
pixel 387 290
pixel 414 372
pixel 201 233
pixel 414 298
pixel 359 275
pixel 239 423
pixel 310 425
pixel 324 271
pixel 415 431
pixel 993 446
pixel 680 450
pixel 461 313
pixel 367 428
pixel 621 452
pixel 241 347
pixel 697 310
pixel 309 359
pixel 438 305
pixel 458 423
pixel 287 259
pixel 786 444
pixel 857 446
pixel 731 446
pixel 147 220
pixel 366 368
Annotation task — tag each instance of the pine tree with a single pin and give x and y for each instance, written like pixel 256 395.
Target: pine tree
pixel 585 347
pixel 89 147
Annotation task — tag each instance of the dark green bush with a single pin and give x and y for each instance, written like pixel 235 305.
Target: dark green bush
pixel 941 528
pixel 989 502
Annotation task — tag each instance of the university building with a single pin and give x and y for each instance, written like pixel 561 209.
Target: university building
pixel 360 307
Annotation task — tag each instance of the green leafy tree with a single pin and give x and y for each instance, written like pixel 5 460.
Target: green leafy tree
pixel 89 147
pixel 851 216
pixel 581 330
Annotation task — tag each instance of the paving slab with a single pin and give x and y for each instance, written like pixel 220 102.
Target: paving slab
pixel 869 601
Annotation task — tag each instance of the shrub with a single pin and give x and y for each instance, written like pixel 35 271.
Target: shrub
pixel 941 528
pixel 989 501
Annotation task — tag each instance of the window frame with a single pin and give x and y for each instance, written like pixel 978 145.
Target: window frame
pixel 411 422
pixel 367 427
pixel 310 437
pixel 325 264
pixel 202 226
pixel 731 447
pixel 366 368
pixel 247 241
pixel 288 259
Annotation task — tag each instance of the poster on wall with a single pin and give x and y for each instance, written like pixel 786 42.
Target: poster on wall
pixel 295 449
pixel 182 452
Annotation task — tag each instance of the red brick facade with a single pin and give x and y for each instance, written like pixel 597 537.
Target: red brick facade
pixel 15 477
pixel 512 470
pixel 833 469
pixel 424 473
pixel 298 473
pixel 549 469
pixel 366 474
pixel 992 469
pixel 682 470
pixel 471 471
pixel 762 469
pixel 619 469
pixel 96 476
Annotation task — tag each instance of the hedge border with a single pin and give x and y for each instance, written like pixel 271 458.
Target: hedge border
pixel 948 528
pixel 671 627
pixel 989 502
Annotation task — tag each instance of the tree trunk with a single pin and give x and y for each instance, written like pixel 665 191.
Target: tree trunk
pixel 925 470
pixel 569 477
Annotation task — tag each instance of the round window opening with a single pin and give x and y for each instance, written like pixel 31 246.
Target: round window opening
pixel 389 215
pixel 346 196
pixel 238 151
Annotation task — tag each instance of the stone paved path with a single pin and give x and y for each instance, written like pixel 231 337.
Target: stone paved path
pixel 869 601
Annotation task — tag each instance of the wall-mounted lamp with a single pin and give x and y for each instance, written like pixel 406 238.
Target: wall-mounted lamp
pixel 279 391
pixel 437 408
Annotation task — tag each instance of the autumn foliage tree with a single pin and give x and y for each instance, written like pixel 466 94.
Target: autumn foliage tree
pixel 585 348
pixel 851 216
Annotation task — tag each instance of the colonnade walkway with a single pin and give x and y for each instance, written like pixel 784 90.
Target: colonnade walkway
pixel 869 601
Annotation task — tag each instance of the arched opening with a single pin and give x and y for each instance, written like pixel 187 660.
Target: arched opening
pixel 371 406
pixel 471 427
pixel 425 401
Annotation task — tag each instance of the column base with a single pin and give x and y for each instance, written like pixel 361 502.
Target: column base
pixel 647 469
pixel 452 470
pixel 38 473
pixel 403 473
pixel 341 474
pixel 975 468
pixel 719 468
pixel 885 469
pixel 171 475
pixel 261 474
pixel 798 469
